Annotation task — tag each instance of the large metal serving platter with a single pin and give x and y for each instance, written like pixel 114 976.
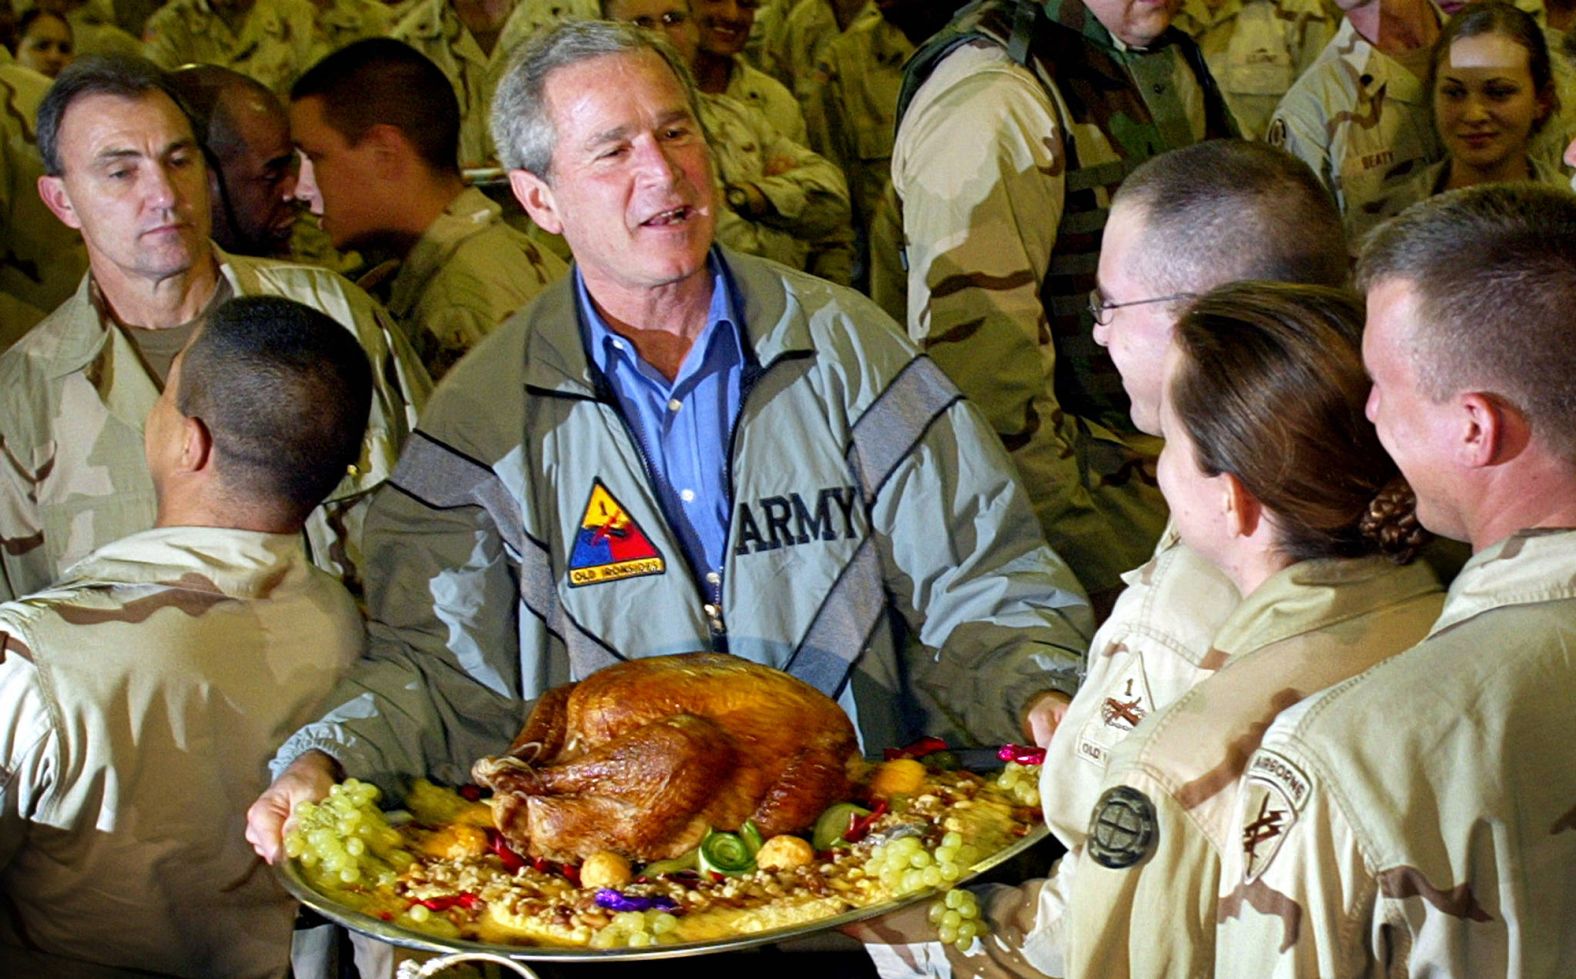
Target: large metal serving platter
pixel 290 873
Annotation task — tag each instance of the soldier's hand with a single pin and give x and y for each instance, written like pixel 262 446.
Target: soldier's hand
pixel 1044 715
pixel 308 779
pixel 778 165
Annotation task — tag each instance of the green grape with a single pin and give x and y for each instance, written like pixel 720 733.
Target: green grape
pixel 947 935
pixel 419 913
pixel 937 909
pixel 932 877
pixel 663 923
pixel 955 898
pixel 951 919
pixel 967 930
pixel 952 840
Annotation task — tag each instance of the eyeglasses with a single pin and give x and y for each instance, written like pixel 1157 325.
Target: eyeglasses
pixel 1100 309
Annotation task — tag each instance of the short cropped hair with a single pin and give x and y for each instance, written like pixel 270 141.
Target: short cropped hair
pixel 521 127
pixel 285 392
pixel 1226 210
pixel 1493 268
pixel 379 81
pixel 204 92
pixel 1270 387
pixel 120 75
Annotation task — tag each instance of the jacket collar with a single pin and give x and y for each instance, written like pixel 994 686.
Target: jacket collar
pixel 774 326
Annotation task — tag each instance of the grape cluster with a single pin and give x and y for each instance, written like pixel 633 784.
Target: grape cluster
pixel 345 841
pixel 904 866
pixel 1022 782
pixel 637 929
pixel 956 916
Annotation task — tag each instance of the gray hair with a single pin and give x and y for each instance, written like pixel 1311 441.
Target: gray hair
pixel 1228 210
pixel 1493 269
pixel 119 75
pixel 521 128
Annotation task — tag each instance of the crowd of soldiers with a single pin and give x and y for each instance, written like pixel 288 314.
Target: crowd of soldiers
pixel 994 368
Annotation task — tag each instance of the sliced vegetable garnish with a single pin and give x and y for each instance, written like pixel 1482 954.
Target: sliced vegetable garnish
pixel 679 864
pixel 751 835
pixel 512 861
pixel 833 823
pixel 918 749
pixel 614 900
pixel 466 900
pixel 725 853
pixel 859 827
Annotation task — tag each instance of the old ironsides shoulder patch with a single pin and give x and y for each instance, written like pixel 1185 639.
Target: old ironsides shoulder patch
pixel 609 544
pixel 1272 796
pixel 1123 831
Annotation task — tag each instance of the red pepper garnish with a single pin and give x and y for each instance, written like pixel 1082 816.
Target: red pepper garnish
pixel 571 873
pixel 512 861
pixel 470 792
pixel 386 916
pixel 1023 754
pixel 466 900
pixel 919 749
pixel 859 826
pixel 716 877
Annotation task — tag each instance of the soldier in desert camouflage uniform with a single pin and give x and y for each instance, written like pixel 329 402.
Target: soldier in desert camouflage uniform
pixel 269 40
pixel 1004 172
pixel 798 45
pixel 460 270
pixel 1359 115
pixel 783 201
pixel 143 693
pixel 1419 819
pixel 1270 219
pixel 531 17
pixel 74 391
pixel 41 260
pixel 1256 49
pixel 720 68
pixel 1324 599
pixel 473 55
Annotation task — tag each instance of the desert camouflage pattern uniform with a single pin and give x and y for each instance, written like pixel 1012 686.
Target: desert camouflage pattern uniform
pixel 345 21
pixel 73 396
pixel 1155 647
pixel 41 260
pixel 1143 901
pixel 1256 49
pixel 95 31
pixel 274 43
pixel 1362 121
pixel 1420 819
pixel 143 696
pixel 1431 180
pixel 531 17
pixel 466 274
pixel 768 96
pixel 1005 177
pixel 807 193
pixel 800 43
pixel 769 17
pixel 851 116
pixel 433 28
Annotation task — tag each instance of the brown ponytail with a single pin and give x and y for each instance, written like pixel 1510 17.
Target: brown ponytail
pixel 1391 522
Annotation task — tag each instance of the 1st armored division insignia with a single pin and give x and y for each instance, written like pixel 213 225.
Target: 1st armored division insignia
pixel 609 544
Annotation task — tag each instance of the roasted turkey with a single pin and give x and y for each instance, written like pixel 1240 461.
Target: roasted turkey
pixel 644 757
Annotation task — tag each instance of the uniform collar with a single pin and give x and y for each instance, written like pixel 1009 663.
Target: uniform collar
pixel 1528 567
pixel 773 326
pixel 217 560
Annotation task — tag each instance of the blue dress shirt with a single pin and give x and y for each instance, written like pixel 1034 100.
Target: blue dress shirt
pixel 682 428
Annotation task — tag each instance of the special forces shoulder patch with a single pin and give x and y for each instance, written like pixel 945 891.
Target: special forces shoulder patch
pixel 1123 831
pixel 1273 794
pixel 609 545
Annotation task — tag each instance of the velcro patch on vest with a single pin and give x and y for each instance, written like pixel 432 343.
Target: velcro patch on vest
pixel 609 544
pixel 1123 831
pixel 1273 795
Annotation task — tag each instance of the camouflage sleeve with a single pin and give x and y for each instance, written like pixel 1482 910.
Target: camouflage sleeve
pixel 1143 900
pixel 808 193
pixel 999 616
pixel 1297 897
pixel 434 691
pixel 1298 127
pixel 163 39
pixel 30 750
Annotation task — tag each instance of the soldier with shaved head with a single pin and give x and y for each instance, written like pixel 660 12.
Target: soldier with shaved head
pixel 145 691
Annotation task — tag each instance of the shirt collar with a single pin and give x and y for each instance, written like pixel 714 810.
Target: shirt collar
pixel 722 323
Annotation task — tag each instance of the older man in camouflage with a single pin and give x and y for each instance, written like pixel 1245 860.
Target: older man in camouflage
pixel 123 168
pixel 1016 123
pixel 143 693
